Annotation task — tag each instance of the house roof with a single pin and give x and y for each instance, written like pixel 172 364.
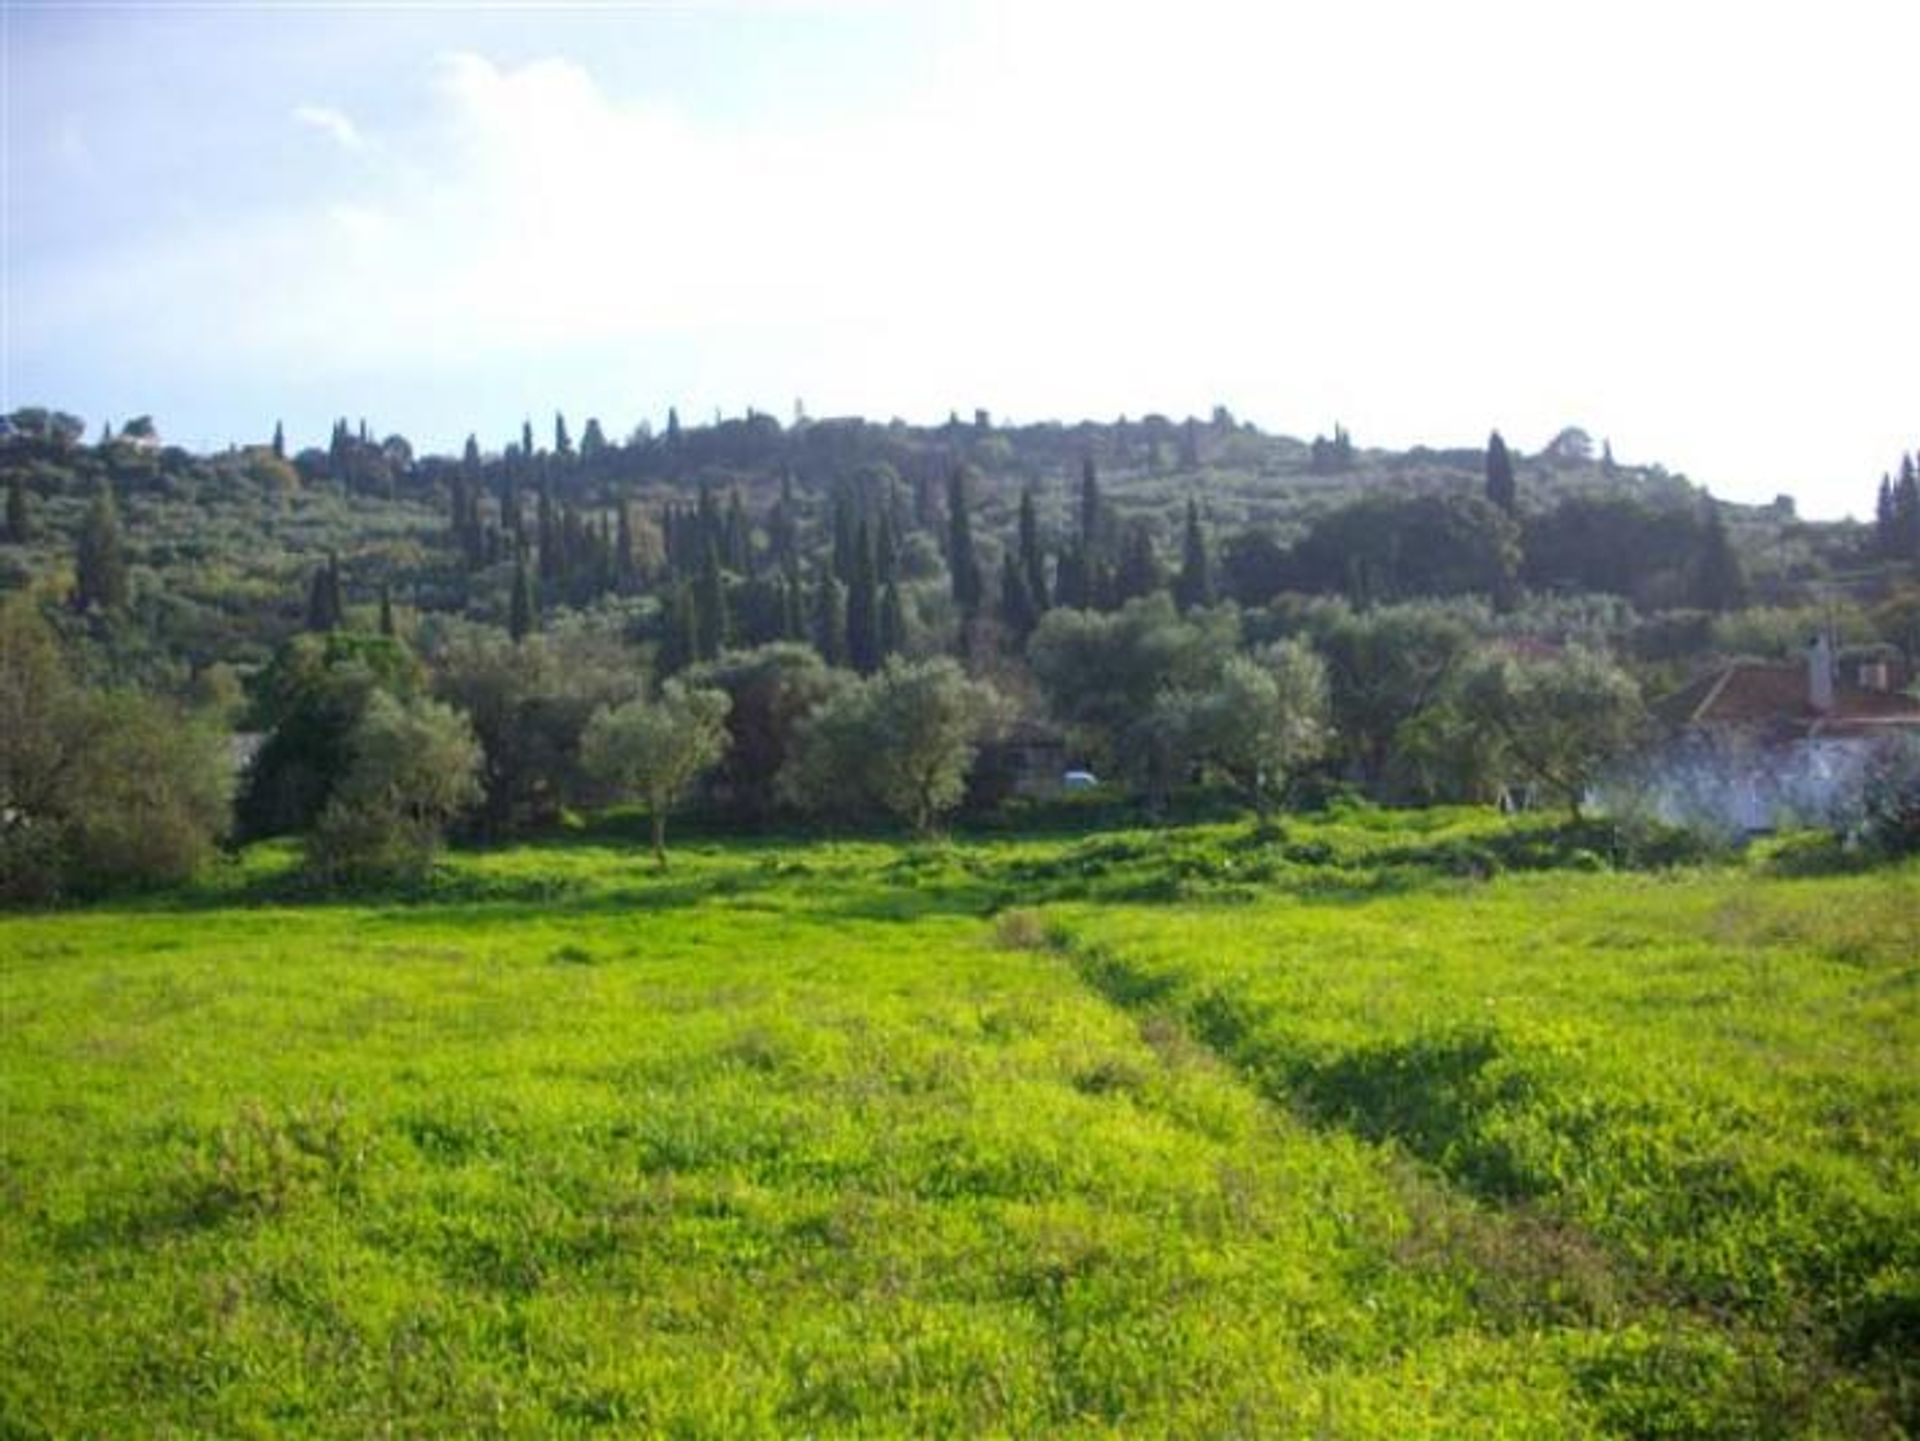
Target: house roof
pixel 1748 694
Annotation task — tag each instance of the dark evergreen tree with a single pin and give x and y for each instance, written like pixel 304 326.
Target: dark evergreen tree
pixel 829 618
pixel 19 518
pixel 1331 457
pixel 1906 512
pixel 1194 587
pixel 1018 613
pixel 326 605
pixel 279 441
pixel 1886 522
pixel 1719 581
pixel 386 608
pixel 673 429
pixel 713 628
pixel 626 565
pixel 523 611
pixel 547 538
pixel 739 537
pixel 526 440
pixel 793 607
pixel 863 605
pixel 100 566
pixel 783 526
pixel 962 565
pixel 1033 561
pixel 1139 573
pixel 886 547
pixel 680 643
pixel 708 530
pixel 1500 485
pixel 893 621
pixel 1089 509
pixel 511 519
pixel 1070 580
pixel 843 534
pixel 593 441
pixel 338 444
pixel 562 441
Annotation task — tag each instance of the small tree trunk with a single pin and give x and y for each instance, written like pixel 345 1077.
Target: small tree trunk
pixel 659 819
pixel 1262 812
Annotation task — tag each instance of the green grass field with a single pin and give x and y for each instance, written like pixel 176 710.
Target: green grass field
pixel 1176 1133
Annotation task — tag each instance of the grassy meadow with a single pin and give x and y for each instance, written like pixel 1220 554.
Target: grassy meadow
pixel 1384 1126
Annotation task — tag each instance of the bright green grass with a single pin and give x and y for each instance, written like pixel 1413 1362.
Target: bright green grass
pixel 803 1140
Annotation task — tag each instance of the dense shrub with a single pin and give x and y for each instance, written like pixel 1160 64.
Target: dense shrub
pixel 412 767
pixel 98 789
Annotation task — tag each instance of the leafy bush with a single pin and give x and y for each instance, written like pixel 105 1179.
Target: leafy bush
pixel 414 765
pixel 1890 800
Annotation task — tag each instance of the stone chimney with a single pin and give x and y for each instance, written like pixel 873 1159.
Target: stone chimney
pixel 1820 674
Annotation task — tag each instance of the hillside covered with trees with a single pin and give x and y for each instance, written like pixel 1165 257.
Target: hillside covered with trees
pixel 1174 599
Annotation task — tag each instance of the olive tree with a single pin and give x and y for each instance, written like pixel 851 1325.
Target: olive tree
pixel 413 765
pixel 1104 674
pixel 1263 720
pixel 656 750
pixel 98 789
pixel 902 741
pixel 1557 722
pixel 773 688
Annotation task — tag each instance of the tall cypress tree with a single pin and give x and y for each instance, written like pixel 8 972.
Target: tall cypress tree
pixel 562 441
pixel 783 526
pixel 962 564
pixel 843 532
pixel 713 627
pixel 100 566
pixel 1018 613
pixel 830 618
pixel 1033 561
pixel 793 607
pixel 1500 485
pixel 886 546
pixel 1906 512
pixel 386 608
pixel 863 606
pixel 279 441
pixel 1139 573
pixel 680 643
pixel 547 537
pixel 326 608
pixel 893 621
pixel 626 565
pixel 1195 584
pixel 1720 582
pixel 739 537
pixel 1070 580
pixel 522 611
pixel 1886 524
pixel 1089 509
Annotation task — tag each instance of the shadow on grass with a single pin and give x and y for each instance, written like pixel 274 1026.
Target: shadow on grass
pixel 1432 1094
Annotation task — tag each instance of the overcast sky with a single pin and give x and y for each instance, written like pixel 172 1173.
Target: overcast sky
pixel 1691 228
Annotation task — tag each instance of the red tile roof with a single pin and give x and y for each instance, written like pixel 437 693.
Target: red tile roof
pixel 1776 696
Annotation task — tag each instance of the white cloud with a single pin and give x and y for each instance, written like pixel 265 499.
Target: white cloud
pixel 332 123
pixel 1422 221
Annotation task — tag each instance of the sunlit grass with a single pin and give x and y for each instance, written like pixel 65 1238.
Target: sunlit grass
pixel 1159 1133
